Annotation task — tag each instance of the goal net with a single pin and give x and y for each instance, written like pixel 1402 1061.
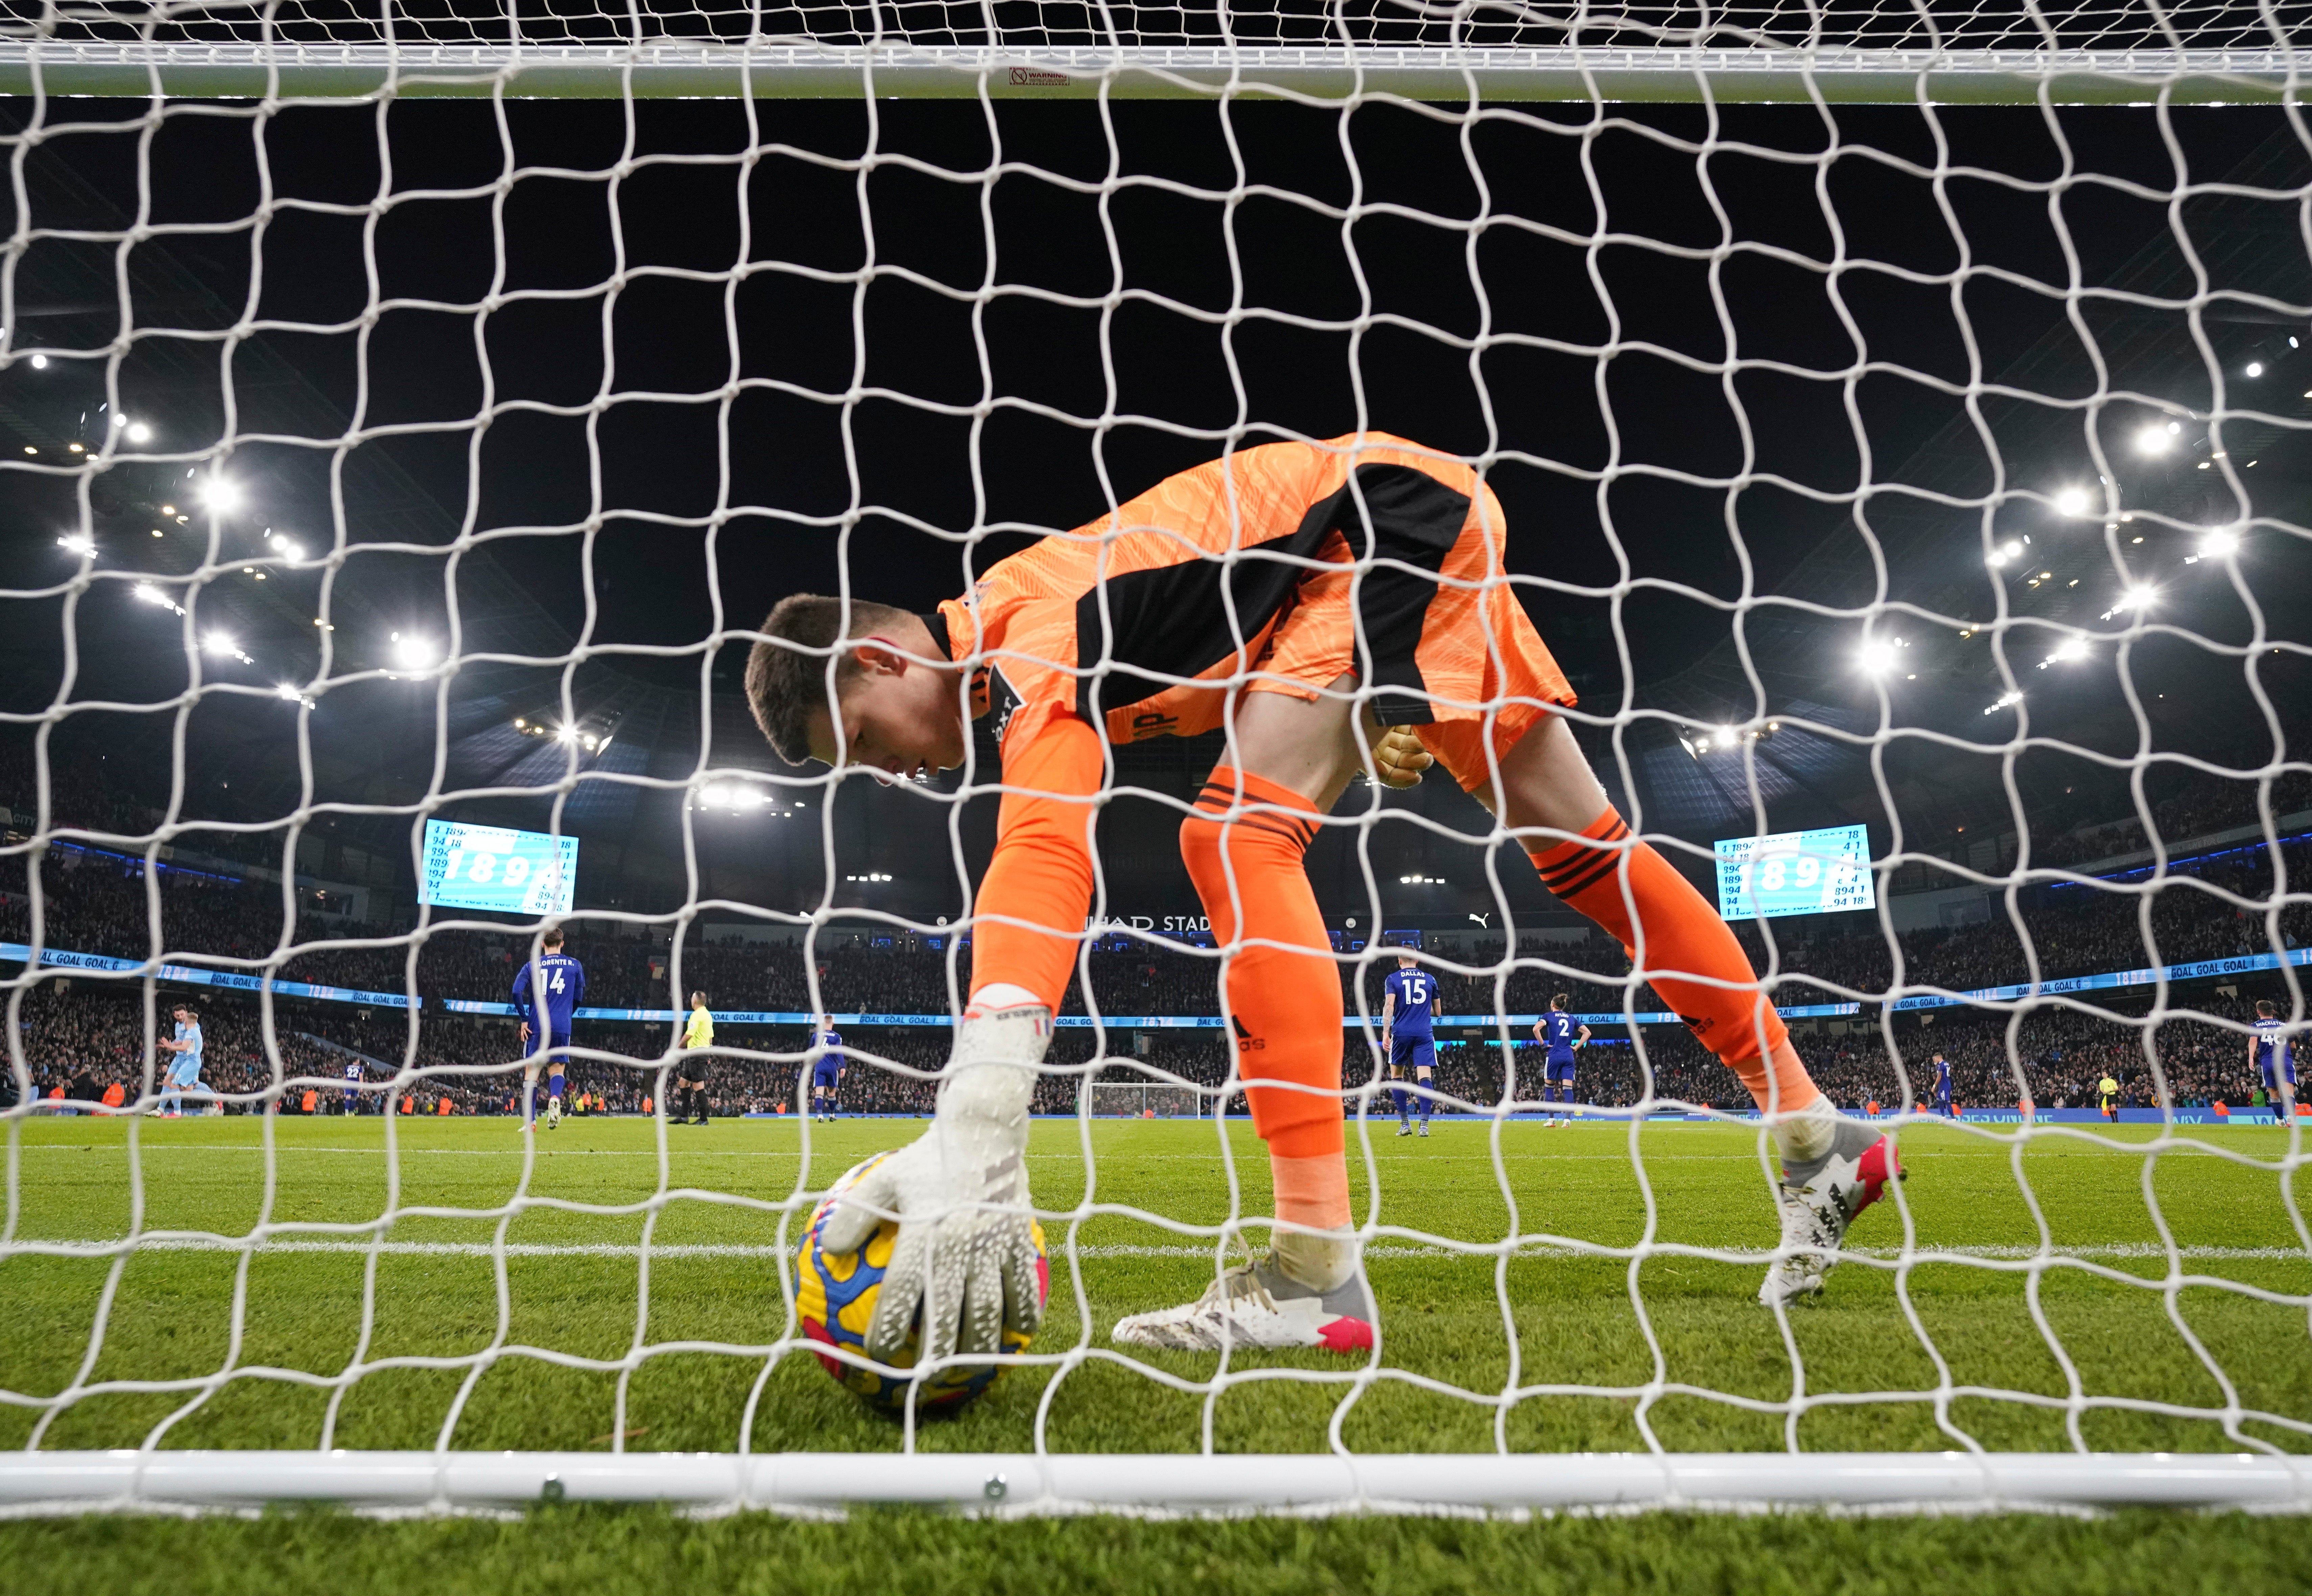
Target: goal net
pixel 1140 1101
pixel 1889 421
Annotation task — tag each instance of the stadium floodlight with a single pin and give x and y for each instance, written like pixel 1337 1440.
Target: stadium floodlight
pixel 2220 543
pixel 2256 368
pixel 40 363
pixel 2158 439
pixel 734 795
pixel 226 646
pixel 1878 656
pixel 80 543
pixel 413 653
pixel 146 592
pixel 2070 651
pixel 2138 596
pixel 2012 549
pixel 221 494
pixel 286 546
pixel 2004 701
pixel 2073 502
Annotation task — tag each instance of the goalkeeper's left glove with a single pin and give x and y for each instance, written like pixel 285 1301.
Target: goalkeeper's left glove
pixel 966 1253
pixel 1399 758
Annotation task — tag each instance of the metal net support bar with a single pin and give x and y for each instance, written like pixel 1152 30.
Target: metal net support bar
pixel 1025 1482
pixel 812 71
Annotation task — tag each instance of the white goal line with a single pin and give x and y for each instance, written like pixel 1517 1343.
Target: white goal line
pixel 659 68
pixel 1030 1483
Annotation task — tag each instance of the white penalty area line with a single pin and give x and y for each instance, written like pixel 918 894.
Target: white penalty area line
pixel 516 1150
pixel 2066 1148
pixel 629 1250
pixel 680 1150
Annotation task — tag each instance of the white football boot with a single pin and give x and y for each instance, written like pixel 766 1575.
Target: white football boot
pixel 1819 1199
pixel 1259 1305
pixel 554 1113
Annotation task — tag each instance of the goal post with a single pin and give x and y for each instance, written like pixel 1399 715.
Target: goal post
pixel 1030 1483
pixel 1711 749
pixel 773 69
pixel 1137 1100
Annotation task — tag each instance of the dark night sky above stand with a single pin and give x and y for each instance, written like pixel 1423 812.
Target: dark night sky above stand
pixel 1123 335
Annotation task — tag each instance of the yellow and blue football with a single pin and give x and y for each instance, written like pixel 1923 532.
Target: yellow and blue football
pixel 835 1298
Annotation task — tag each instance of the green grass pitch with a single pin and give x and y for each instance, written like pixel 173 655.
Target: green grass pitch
pixel 572 1279
pixel 574 1289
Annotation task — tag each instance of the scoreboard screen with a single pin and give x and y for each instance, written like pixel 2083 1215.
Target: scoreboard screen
pixel 490 868
pixel 1796 872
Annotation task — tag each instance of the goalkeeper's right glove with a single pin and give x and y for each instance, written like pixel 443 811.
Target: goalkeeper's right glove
pixel 966 1253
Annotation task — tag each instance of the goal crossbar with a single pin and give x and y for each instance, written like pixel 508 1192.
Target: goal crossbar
pixel 61 1482
pixel 673 68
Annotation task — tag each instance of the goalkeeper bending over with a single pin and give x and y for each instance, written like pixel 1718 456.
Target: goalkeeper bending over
pixel 1269 643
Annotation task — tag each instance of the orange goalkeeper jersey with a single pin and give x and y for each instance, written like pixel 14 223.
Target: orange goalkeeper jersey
pixel 1279 568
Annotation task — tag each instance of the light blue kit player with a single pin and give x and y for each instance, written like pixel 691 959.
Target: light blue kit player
pixel 2273 1055
pixel 1407 997
pixel 560 983
pixel 1561 1038
pixel 826 1068
pixel 185 1069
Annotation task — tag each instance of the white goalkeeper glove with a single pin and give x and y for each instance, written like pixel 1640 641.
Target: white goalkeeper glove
pixel 965 1255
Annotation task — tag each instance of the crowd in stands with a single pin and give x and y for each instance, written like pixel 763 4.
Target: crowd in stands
pixel 78 1042
pixel 82 1035
pixel 2203 808
pixel 94 905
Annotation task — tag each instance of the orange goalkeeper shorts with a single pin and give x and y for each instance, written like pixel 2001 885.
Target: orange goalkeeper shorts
pixel 1485 672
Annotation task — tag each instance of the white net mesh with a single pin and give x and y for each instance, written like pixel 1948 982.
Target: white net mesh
pixel 1892 24
pixel 1936 472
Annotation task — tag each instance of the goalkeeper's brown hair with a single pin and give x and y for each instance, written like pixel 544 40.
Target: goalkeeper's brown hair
pixel 786 670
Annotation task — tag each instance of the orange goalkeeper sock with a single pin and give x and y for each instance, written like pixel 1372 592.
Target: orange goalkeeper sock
pixel 1283 1004
pixel 1684 934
